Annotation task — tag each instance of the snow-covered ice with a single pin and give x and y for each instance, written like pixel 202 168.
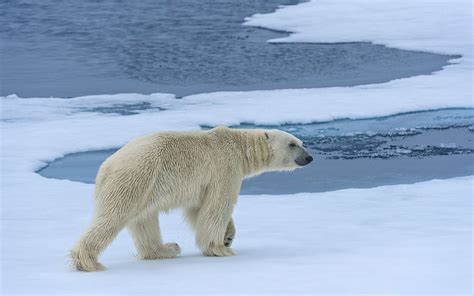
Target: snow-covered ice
pixel 429 25
pixel 393 239
pixel 409 239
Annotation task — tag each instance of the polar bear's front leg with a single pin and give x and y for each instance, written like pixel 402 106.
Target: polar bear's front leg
pixel 229 233
pixel 212 222
pixel 191 215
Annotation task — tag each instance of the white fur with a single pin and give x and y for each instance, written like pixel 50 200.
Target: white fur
pixel 200 172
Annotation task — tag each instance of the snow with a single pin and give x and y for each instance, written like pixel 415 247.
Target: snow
pixel 428 25
pixel 392 239
pixel 395 239
pixel 15 109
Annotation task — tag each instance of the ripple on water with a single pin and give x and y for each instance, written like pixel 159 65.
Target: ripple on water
pixel 73 48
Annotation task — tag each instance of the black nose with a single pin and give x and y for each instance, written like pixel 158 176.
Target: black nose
pixel 309 158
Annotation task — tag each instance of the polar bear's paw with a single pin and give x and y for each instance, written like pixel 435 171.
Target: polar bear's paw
pixel 90 267
pixel 219 251
pixel 228 240
pixel 165 251
pixel 83 261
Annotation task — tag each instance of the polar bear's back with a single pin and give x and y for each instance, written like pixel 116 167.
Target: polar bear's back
pixel 160 164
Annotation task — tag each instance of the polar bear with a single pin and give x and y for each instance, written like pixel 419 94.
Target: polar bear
pixel 200 172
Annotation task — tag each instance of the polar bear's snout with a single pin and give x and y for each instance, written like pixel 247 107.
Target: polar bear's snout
pixel 303 158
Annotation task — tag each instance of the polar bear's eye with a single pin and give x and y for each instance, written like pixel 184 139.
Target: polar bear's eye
pixel 292 145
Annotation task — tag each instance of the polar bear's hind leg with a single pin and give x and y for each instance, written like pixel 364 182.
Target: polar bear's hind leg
pixel 102 231
pixel 145 230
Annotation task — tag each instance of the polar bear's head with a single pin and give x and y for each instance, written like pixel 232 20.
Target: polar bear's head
pixel 287 151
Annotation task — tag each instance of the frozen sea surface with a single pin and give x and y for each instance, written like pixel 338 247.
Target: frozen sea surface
pixel 73 48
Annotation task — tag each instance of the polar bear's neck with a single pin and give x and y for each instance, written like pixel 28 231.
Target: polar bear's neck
pixel 255 152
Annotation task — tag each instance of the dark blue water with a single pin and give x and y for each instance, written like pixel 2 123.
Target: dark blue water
pixel 398 149
pixel 70 48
